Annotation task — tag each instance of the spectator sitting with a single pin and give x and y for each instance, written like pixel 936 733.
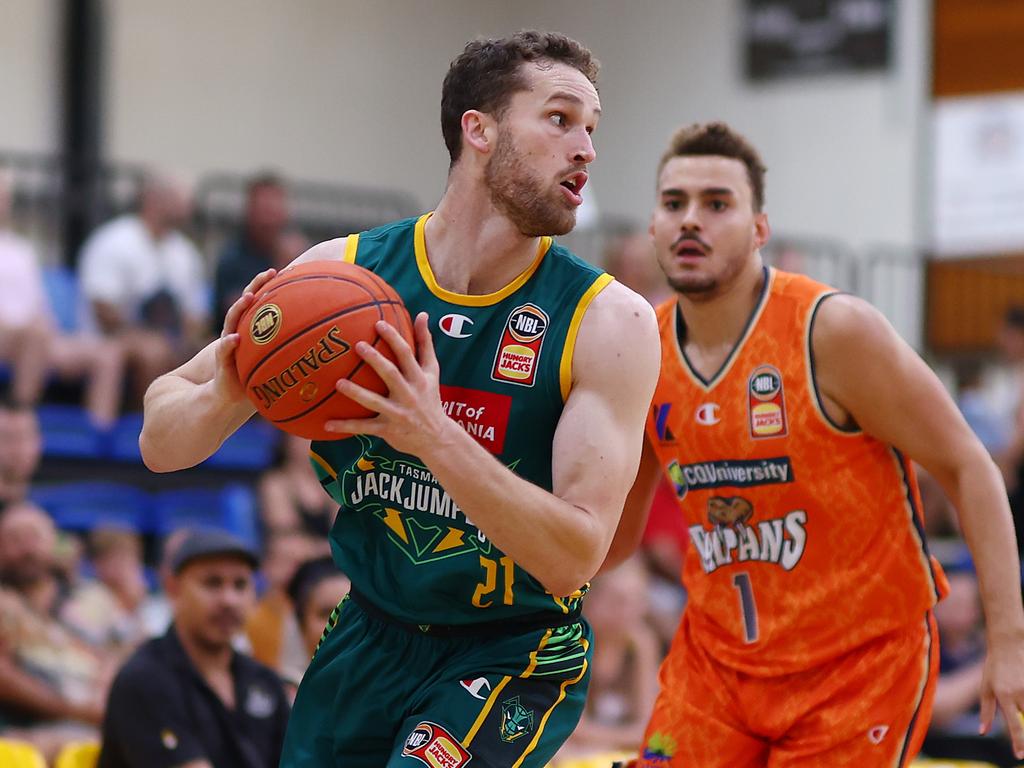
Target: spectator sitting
pixel 156 612
pixel 315 590
pixel 624 672
pixel 254 249
pixel 188 698
pixel 272 629
pixel 631 260
pixel 290 495
pixel 51 685
pixel 981 417
pixel 107 611
pixel 145 282
pixel 21 446
pixel 31 341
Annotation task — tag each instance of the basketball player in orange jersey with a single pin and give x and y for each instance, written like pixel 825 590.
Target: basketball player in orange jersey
pixel 786 418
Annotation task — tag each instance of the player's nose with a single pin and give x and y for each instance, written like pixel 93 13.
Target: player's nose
pixel 585 152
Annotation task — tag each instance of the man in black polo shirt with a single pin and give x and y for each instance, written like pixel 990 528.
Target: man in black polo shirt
pixel 187 699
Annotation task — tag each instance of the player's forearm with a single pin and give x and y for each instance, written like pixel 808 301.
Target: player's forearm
pixel 978 494
pixel 559 544
pixel 185 423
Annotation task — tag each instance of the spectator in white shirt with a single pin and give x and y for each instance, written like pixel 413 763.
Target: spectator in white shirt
pixel 31 341
pixel 145 282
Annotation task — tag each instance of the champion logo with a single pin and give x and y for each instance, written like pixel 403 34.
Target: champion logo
pixel 475 686
pixel 876 734
pixel 707 414
pixel 456 326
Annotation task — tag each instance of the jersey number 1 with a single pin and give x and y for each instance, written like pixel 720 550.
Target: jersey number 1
pixel 748 608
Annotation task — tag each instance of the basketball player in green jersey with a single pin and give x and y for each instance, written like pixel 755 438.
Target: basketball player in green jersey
pixel 485 492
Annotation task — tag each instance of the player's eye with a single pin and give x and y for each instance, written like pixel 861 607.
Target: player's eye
pixel 672 205
pixel 559 119
pixel 718 205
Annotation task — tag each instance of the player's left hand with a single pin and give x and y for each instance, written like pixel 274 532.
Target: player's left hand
pixel 411 417
pixel 1002 683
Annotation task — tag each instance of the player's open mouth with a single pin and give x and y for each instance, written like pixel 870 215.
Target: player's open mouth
pixel 574 186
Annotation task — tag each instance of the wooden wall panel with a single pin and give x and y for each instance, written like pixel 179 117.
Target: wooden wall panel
pixel 967 299
pixel 978 46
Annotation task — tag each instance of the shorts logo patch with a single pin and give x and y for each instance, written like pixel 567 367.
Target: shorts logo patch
pixel 659 750
pixel 516 720
pixel 766 403
pixel 475 686
pixel 433 745
pixel 876 734
pixel 518 353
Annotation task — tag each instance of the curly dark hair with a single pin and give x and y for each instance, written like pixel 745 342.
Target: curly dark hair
pixel 488 73
pixel 720 140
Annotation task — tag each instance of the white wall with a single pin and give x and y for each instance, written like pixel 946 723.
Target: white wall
pixel 343 90
pixel 29 62
pixel 349 89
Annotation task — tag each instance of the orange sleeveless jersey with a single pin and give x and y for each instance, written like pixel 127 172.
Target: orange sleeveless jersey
pixel 807 539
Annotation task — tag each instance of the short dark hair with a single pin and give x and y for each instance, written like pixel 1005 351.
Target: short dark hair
pixel 720 140
pixel 488 72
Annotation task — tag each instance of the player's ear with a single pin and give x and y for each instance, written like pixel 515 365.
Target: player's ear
pixel 479 131
pixel 762 230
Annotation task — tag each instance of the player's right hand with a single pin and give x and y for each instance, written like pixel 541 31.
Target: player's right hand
pixel 225 377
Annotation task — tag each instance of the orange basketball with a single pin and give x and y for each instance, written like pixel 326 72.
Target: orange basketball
pixel 299 336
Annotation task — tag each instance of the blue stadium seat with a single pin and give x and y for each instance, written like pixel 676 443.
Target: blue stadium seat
pixel 231 508
pixel 123 442
pixel 251 447
pixel 68 432
pixel 88 505
pixel 65 297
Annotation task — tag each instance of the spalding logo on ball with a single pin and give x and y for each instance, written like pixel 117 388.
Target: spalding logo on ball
pixel 303 328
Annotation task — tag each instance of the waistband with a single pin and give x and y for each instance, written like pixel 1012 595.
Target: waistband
pixel 516 625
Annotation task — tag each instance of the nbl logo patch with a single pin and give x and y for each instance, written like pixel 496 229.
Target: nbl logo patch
pixel 431 744
pixel 518 354
pixel 766 403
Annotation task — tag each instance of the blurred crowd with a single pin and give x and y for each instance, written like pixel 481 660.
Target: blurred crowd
pixel 81 610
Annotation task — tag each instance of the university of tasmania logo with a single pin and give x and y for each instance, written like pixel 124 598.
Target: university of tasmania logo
pixel 766 403
pixel 518 355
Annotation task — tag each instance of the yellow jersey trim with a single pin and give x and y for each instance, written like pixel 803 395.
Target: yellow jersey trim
pixel 544 720
pixel 488 706
pixel 565 368
pixel 322 463
pixel 464 299
pixel 351 246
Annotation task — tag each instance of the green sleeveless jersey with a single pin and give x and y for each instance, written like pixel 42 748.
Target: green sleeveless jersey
pixel 506 366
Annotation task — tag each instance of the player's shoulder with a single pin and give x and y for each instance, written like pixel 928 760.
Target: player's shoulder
pixel 328 250
pixel 842 318
pixel 620 325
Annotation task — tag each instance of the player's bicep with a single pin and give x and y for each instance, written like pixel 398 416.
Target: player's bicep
pixel 891 393
pixel 599 437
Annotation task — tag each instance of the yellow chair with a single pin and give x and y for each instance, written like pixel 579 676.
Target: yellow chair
pixel 18 754
pixel 925 762
pixel 78 754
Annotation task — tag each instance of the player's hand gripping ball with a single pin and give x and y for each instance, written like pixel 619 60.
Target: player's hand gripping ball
pixel 298 338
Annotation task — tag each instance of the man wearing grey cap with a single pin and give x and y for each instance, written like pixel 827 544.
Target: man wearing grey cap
pixel 187 699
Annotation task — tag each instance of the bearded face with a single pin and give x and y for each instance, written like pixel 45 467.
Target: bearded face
pixel 534 205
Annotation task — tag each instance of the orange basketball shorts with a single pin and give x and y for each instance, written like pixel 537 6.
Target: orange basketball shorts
pixel 870 707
